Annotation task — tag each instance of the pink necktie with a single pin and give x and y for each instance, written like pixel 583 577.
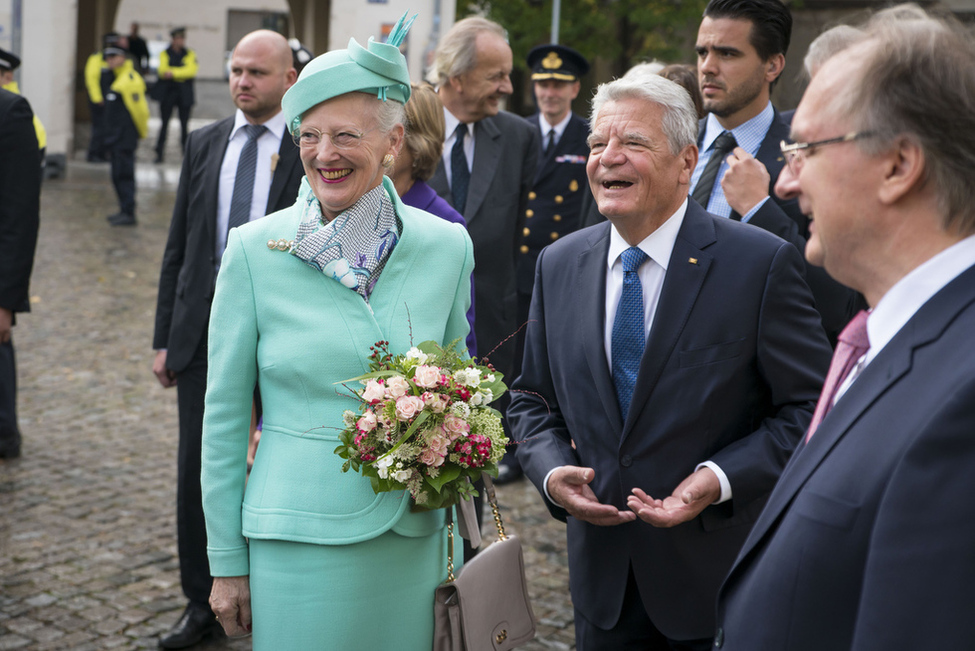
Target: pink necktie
pixel 852 345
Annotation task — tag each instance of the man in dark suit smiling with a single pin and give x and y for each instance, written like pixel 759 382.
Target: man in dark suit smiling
pixel 214 166
pixel 671 365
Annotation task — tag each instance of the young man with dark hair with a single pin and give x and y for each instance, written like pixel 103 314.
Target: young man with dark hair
pixel 741 48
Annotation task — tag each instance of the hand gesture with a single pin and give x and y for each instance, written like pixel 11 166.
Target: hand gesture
pixel 569 487
pixel 690 498
pixel 746 181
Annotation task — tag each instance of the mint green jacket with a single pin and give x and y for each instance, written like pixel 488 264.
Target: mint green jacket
pixel 281 323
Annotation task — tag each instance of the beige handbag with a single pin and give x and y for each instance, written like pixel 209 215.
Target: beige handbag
pixel 485 607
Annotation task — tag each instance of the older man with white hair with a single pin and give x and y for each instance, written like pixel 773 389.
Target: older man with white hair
pixel 671 365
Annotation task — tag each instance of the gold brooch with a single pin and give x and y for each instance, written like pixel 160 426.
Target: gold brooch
pixel 280 245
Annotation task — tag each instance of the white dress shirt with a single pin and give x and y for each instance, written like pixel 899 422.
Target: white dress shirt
pixel 658 246
pixel 907 296
pixel 448 145
pixel 559 128
pixel 268 146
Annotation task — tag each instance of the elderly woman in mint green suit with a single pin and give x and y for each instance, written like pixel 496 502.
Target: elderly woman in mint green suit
pixel 308 556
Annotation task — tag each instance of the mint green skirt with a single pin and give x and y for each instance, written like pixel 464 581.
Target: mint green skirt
pixel 374 595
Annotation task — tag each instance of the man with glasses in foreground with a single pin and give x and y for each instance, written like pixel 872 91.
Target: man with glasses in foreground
pixel 868 540
pixel 235 170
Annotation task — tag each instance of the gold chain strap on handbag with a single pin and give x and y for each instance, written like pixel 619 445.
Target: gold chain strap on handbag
pixel 493 499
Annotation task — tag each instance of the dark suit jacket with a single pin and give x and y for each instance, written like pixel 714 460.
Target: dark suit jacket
pixel 836 303
pixel 188 267
pixel 20 189
pixel 505 154
pixel 732 369
pixel 555 201
pixel 868 541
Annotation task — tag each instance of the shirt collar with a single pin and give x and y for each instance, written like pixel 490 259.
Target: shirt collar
pixel 559 128
pixel 274 124
pixel 451 123
pixel 658 245
pixel 911 292
pixel 749 135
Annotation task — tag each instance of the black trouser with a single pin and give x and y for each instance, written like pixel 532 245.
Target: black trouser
pixel 96 145
pixel 633 631
pixel 9 432
pixel 194 568
pixel 123 178
pixel 165 113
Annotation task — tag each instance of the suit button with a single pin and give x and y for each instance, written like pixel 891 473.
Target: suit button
pixel 573 186
pixel 531 196
pixel 524 248
pixel 526 232
pixel 719 638
pixel 558 198
pixel 557 218
pixel 529 213
pixel 626 461
pixel 554 236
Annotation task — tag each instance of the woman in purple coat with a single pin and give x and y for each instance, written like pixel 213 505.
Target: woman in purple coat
pixel 417 161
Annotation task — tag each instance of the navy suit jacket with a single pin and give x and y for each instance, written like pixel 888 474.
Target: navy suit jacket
pixel 188 273
pixel 732 369
pixel 555 201
pixel 505 154
pixel 868 541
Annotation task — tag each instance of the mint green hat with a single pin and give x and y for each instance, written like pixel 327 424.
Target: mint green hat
pixel 378 68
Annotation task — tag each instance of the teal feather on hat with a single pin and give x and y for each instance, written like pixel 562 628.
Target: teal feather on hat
pixel 378 68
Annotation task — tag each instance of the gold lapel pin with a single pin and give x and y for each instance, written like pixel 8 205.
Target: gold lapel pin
pixel 692 260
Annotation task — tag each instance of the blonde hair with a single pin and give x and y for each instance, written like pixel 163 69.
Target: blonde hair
pixel 424 130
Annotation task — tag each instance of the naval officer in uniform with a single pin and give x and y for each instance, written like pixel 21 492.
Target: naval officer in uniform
pixel 560 183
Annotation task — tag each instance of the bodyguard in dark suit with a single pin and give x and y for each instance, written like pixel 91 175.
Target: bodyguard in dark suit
pixel 868 540
pixel 671 365
pixel 20 189
pixel 207 202
pixel 487 176
pixel 741 48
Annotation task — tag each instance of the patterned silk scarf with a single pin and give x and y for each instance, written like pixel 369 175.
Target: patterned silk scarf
pixel 352 248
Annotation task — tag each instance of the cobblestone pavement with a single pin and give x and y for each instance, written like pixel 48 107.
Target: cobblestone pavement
pixel 87 526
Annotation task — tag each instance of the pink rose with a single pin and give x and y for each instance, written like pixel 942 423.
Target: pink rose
pixel 373 392
pixel 456 426
pixel 367 422
pixel 427 376
pixel 430 458
pixel 436 402
pixel 439 444
pixel 407 407
pixel 397 387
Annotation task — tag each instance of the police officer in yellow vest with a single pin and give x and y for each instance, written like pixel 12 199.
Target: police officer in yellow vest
pixel 126 121
pixel 177 70
pixel 96 103
pixel 9 62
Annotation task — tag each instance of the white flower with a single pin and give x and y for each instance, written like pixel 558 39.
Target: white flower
pixel 348 418
pixel 382 466
pixel 401 476
pixel 416 355
pixel 460 409
pixel 468 377
pixel 489 378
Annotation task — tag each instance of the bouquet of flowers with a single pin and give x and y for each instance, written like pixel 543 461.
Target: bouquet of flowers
pixel 424 424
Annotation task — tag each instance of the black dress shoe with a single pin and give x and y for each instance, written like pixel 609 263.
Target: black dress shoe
pixel 196 623
pixel 121 219
pixel 10 451
pixel 508 474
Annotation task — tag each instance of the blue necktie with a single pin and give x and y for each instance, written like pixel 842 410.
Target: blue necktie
pixel 629 330
pixel 460 175
pixel 240 201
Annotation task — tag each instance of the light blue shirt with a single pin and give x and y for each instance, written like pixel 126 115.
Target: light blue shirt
pixel 749 137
